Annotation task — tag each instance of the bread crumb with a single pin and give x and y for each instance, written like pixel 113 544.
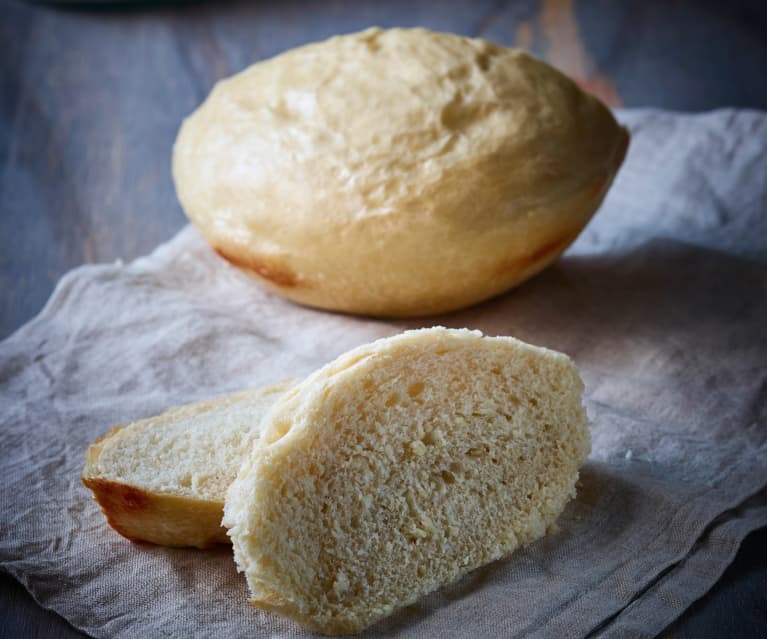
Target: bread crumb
pixel 418 448
pixel 341 584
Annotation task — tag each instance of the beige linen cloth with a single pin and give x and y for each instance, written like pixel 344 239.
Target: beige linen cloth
pixel 662 303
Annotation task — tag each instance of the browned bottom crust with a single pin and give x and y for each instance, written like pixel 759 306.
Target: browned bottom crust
pixel 167 520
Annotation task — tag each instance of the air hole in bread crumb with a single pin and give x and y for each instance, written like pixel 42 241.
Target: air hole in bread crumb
pixel 392 400
pixel 456 468
pixel 415 389
pixel 447 477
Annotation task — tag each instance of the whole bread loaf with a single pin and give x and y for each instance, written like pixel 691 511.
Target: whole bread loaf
pixel 164 479
pixel 395 172
pixel 400 467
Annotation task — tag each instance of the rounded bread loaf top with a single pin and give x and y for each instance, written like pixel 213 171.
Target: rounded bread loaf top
pixel 398 172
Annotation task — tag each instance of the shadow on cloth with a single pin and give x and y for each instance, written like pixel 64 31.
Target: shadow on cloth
pixel 662 285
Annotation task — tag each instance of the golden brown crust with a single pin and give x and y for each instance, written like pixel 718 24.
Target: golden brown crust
pixel 115 500
pixel 167 520
pixel 269 269
pixel 536 260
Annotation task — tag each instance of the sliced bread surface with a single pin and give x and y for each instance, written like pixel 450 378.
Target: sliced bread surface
pixel 163 479
pixel 400 467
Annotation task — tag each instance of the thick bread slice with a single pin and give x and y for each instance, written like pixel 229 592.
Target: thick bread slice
pixel 163 479
pixel 400 467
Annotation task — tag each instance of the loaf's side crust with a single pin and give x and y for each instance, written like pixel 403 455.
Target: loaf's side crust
pixel 166 520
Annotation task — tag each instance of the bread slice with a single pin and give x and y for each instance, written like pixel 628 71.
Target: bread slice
pixel 400 467
pixel 164 479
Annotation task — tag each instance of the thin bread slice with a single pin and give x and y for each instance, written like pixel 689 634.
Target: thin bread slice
pixel 400 467
pixel 164 479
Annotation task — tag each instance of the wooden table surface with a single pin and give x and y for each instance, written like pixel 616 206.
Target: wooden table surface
pixel 91 98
